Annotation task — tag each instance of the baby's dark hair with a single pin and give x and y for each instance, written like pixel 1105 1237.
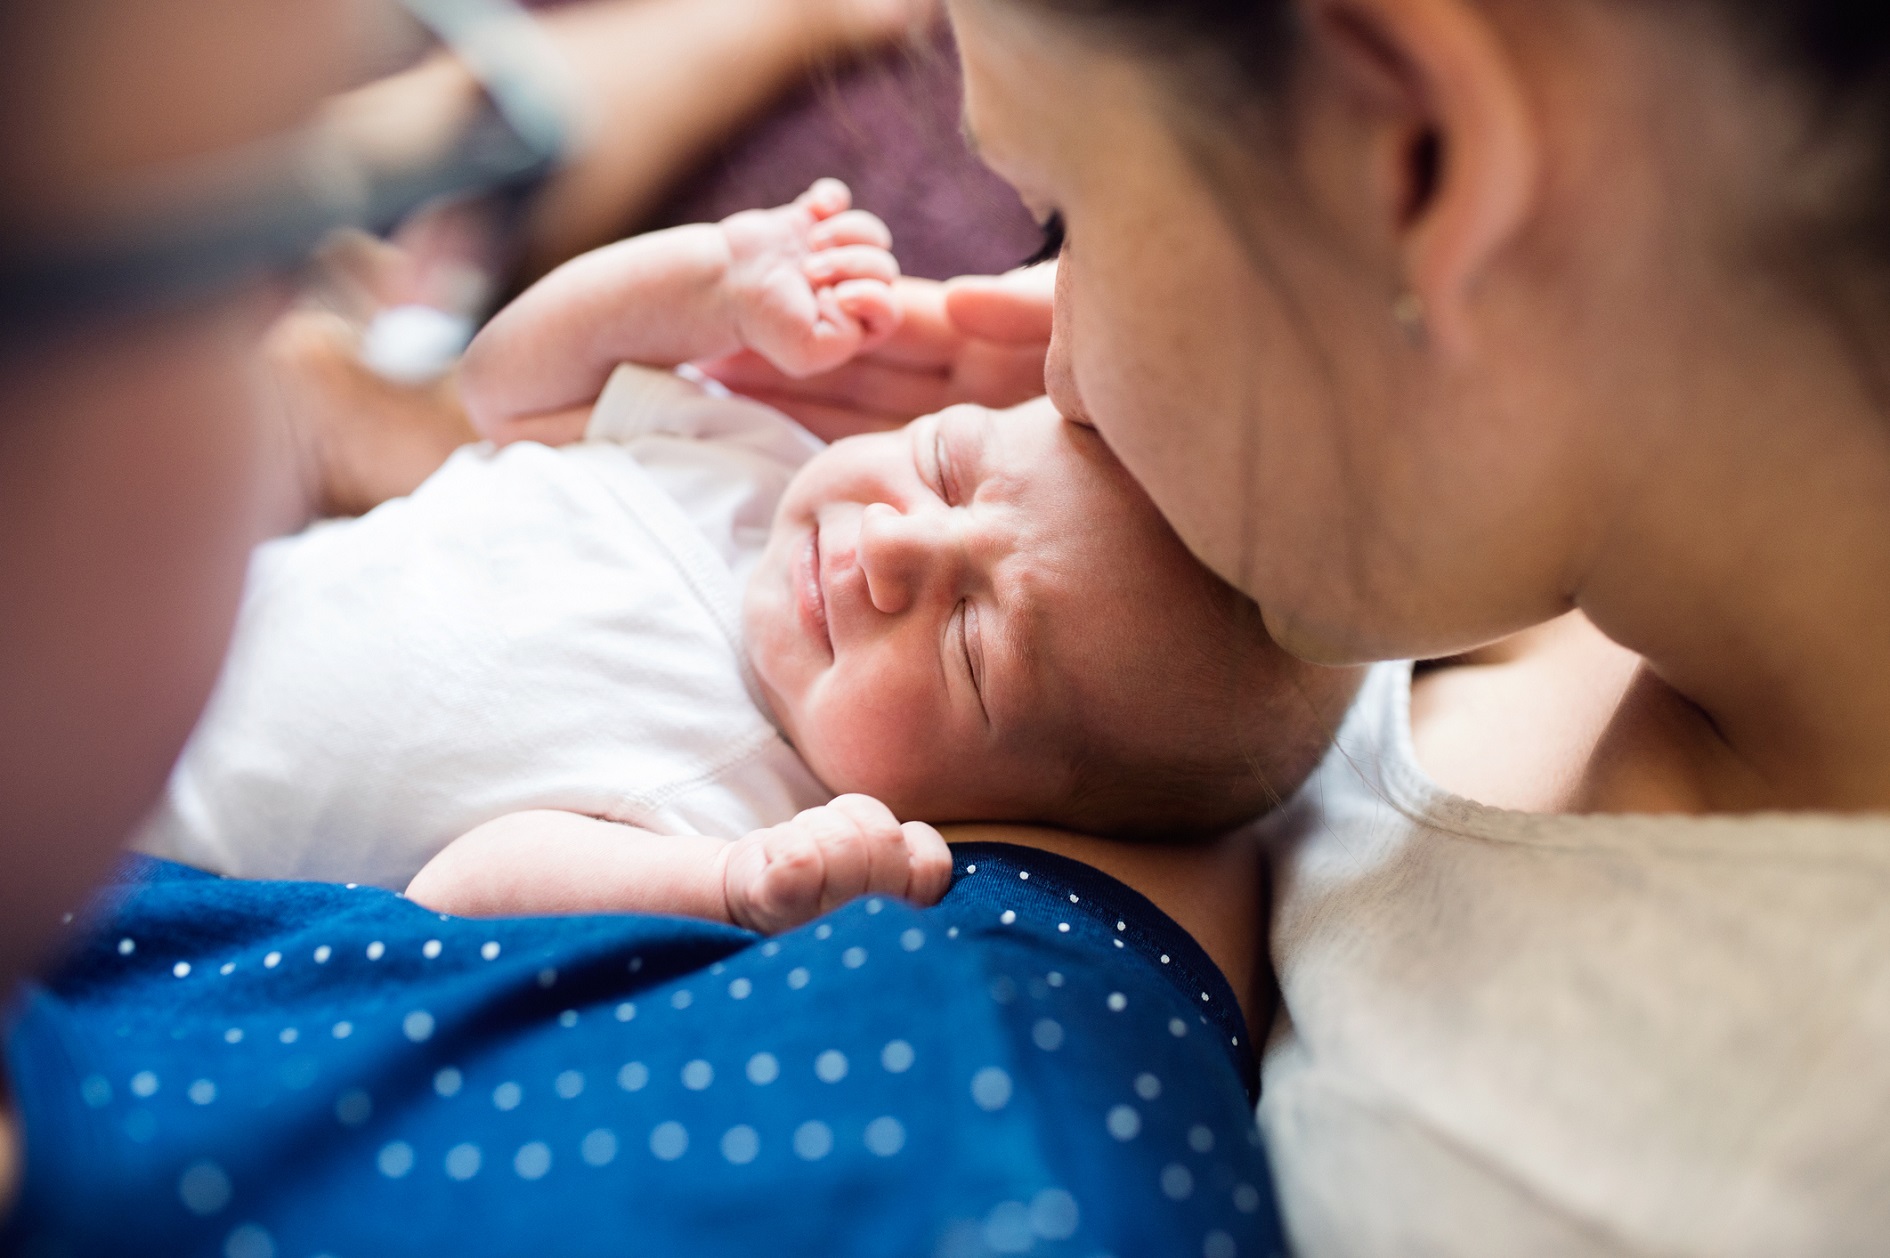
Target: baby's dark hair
pixel 1241 725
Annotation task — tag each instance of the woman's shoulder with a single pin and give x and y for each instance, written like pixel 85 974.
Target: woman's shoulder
pixel 1379 787
pixel 1537 1017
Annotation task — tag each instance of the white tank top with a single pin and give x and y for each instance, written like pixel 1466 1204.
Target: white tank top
pixel 531 628
pixel 1532 1035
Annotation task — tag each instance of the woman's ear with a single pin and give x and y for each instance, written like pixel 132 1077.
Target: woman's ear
pixel 1453 142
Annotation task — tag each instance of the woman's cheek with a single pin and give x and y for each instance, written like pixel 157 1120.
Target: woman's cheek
pixel 1161 394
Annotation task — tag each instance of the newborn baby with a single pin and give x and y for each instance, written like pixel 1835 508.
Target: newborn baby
pixel 694 622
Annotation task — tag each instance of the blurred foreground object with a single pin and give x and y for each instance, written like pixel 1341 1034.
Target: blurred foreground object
pixel 195 228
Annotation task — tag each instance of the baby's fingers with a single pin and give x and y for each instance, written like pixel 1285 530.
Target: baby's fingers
pixel 854 227
pixel 872 305
pixel 928 864
pixel 850 262
pixel 825 199
pixel 876 861
pixel 910 860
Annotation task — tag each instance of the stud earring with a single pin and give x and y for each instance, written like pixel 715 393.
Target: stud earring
pixel 1409 314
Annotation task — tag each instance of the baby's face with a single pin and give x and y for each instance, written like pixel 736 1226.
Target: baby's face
pixel 944 613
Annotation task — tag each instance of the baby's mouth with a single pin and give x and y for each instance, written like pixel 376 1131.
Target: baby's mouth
pixel 813 598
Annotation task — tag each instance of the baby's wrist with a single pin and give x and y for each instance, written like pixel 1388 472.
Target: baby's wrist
pixel 715 312
pixel 718 884
pixel 726 288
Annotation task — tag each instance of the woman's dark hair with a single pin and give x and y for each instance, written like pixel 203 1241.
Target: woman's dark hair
pixel 1840 47
pixel 1229 53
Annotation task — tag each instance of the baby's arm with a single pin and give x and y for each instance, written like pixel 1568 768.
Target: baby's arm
pixel 807 286
pixel 771 880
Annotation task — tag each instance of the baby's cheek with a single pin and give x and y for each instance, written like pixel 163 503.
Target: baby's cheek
pixel 873 748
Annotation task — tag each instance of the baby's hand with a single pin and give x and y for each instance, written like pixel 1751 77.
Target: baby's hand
pixel 778 878
pixel 811 282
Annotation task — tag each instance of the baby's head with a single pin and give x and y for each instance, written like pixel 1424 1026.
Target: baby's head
pixel 982 617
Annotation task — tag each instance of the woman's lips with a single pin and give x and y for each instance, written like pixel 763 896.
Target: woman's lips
pixel 813 595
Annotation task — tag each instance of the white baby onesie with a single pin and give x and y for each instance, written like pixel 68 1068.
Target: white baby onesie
pixel 531 628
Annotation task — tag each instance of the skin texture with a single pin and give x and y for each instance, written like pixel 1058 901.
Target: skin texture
pixel 771 880
pixel 948 616
pixel 930 623
pixel 1621 396
pixel 978 339
pixel 805 287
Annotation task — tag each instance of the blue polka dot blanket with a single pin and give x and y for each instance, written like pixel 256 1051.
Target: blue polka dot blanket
pixel 1042 1064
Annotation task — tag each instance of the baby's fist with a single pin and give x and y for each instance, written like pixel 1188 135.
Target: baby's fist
pixel 811 282
pixel 778 878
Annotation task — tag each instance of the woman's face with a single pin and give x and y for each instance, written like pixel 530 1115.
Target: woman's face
pixel 1247 367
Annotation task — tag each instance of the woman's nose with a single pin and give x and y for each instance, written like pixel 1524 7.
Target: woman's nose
pixel 899 555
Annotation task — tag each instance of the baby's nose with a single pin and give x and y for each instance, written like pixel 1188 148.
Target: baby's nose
pixel 898 555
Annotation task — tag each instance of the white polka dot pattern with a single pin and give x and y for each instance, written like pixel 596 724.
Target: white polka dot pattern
pixel 396 1159
pixel 247 1240
pixel 813 1140
pixel 530 1131
pixel 533 1160
pixel 669 1141
pixel 1054 1215
pixel 885 1136
pixel 741 1145
pixel 599 1147
pixel 991 1089
pixel 204 1188
pixel 462 1161
pixel 353 1107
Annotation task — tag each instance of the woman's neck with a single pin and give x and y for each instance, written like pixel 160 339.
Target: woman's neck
pixel 1737 568
pixel 1747 566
